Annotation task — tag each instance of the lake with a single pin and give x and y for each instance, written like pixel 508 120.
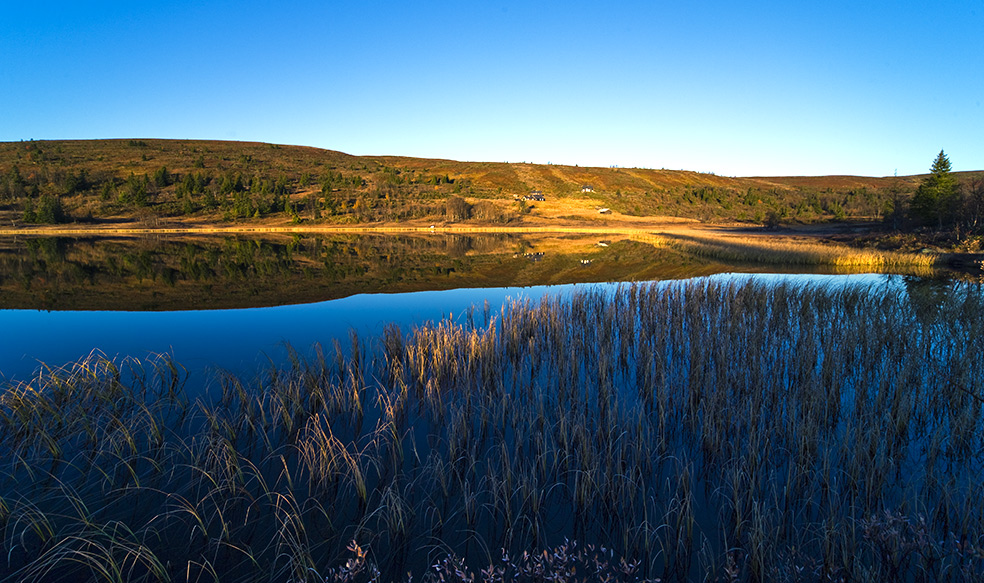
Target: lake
pixel 232 303
pixel 532 418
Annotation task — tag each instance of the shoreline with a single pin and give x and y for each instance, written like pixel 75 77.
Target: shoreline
pixel 635 225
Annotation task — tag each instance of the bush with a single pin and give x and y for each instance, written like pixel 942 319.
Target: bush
pixel 487 211
pixel 457 209
pixel 773 220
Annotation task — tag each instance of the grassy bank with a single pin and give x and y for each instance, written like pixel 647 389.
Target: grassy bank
pixel 732 430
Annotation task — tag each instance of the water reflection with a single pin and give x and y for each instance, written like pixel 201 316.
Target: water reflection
pixel 243 272
pixel 231 302
pixel 240 340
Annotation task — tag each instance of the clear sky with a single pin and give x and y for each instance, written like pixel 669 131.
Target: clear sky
pixel 734 88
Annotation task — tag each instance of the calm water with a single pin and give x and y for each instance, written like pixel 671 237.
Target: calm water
pixel 232 302
pixel 242 340
pixel 239 340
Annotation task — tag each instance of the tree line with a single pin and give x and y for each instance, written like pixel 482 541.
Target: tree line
pixel 942 203
pixel 39 197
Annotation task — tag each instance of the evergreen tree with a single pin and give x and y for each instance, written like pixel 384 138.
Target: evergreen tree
pixel 894 210
pixel 162 177
pixel 75 183
pixel 50 210
pixel 314 206
pixel 331 205
pixel 135 191
pixel 29 215
pixel 18 186
pixel 226 186
pixel 936 198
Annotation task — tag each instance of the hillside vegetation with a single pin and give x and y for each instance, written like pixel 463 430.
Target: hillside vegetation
pixel 93 181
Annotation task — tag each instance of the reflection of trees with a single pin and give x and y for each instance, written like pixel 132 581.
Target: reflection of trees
pixel 458 245
pixel 255 265
pixel 928 296
pixel 50 250
pixel 949 315
pixel 239 271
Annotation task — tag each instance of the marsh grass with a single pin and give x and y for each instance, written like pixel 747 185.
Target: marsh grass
pixel 788 251
pixel 730 431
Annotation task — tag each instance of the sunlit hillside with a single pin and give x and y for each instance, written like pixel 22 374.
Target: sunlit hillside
pixel 208 181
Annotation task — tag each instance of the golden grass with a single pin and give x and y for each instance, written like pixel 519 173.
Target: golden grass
pixel 790 251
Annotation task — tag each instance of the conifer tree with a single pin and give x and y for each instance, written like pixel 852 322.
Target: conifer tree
pixel 935 200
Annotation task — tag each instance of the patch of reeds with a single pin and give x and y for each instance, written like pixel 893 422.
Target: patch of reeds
pixel 732 431
pixel 789 251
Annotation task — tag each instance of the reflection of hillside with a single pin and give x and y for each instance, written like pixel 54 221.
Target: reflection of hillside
pixel 236 272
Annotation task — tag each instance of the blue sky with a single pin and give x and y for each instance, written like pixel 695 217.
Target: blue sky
pixel 735 88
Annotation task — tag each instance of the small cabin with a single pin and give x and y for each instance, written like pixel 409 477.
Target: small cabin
pixel 535 195
pixel 587 188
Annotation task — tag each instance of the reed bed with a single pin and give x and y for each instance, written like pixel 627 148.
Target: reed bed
pixel 786 251
pixel 729 431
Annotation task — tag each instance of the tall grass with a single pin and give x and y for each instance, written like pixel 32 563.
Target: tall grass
pixel 789 251
pixel 731 431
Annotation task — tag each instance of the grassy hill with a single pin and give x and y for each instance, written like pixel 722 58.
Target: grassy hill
pixel 150 181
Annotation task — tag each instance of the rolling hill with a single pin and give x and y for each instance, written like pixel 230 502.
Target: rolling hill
pixel 152 180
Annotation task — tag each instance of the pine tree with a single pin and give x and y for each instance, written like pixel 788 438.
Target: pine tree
pixel 162 177
pixel 941 166
pixel 895 206
pixel 50 210
pixel 935 199
pixel 29 215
